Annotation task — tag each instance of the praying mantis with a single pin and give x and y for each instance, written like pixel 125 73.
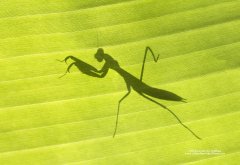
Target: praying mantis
pixel 132 82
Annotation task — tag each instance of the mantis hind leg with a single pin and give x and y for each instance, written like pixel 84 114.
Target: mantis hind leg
pixel 119 103
pixel 171 113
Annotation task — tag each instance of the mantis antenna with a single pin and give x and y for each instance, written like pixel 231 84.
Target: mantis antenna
pixel 144 60
pixel 97 40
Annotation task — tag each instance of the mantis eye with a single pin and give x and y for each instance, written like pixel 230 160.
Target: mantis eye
pixel 100 51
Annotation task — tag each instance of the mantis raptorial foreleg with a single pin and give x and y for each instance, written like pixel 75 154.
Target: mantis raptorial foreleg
pixel 68 69
pixel 144 60
pixel 119 103
pixel 66 58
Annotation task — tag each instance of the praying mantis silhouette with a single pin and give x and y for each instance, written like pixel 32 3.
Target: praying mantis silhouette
pixel 131 81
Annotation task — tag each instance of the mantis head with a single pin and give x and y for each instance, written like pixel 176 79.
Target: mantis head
pixel 99 54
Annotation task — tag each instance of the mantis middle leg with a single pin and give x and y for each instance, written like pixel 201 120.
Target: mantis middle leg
pixel 155 58
pixel 119 103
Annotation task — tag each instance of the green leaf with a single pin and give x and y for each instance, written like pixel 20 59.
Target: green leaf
pixel 45 119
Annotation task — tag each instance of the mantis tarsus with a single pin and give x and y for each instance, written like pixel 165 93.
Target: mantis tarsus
pixel 131 81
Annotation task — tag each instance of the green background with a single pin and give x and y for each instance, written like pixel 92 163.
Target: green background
pixel 47 120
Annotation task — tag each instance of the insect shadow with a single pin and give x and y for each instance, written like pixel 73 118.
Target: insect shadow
pixel 131 81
